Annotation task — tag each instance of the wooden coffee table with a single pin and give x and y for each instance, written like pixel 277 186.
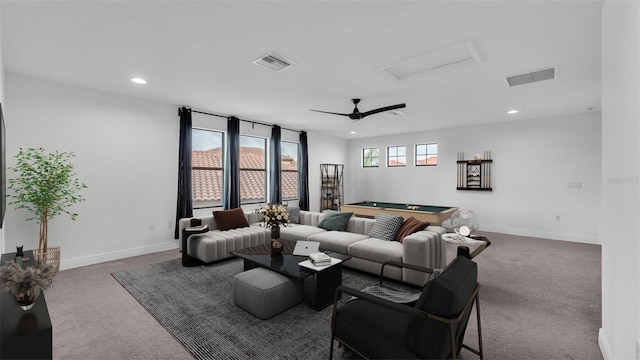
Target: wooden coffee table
pixel 323 281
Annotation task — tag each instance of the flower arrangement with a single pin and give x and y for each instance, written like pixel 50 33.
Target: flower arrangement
pixel 274 215
pixel 30 280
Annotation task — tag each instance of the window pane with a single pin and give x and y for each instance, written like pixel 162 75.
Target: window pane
pixel 427 155
pixel 206 165
pixel 253 169
pixel 370 157
pixel 396 156
pixel 289 165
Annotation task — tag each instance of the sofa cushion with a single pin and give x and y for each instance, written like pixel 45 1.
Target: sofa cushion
pixel 296 232
pixel 337 241
pixel 410 226
pixel 386 226
pixel 376 250
pixel 294 215
pixel 335 220
pixel 230 219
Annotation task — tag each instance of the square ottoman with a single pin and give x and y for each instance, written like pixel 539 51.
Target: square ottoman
pixel 265 293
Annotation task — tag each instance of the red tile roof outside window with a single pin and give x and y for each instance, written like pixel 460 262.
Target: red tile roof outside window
pixel 207 176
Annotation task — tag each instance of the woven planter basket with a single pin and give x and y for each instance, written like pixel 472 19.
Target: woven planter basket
pixel 51 256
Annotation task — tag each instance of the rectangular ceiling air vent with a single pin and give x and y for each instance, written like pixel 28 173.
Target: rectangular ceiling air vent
pixel 532 76
pixel 393 113
pixel 274 62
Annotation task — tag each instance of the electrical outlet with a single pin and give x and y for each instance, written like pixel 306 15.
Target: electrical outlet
pixel 152 225
pixel 169 224
pixel 558 217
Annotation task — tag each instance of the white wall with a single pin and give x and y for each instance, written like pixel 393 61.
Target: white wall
pixel 532 162
pixel 4 105
pixel 126 152
pixel 620 178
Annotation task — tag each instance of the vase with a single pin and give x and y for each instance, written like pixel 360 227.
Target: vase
pixel 276 244
pixel 25 300
pixel 275 232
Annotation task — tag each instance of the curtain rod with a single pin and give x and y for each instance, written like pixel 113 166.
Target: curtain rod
pixel 249 121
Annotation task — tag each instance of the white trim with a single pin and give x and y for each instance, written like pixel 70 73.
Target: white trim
pixel 116 255
pixel 605 349
pixel 544 234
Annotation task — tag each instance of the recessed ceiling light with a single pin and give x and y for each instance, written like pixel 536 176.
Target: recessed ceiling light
pixel 139 81
pixel 352 132
pixel 513 112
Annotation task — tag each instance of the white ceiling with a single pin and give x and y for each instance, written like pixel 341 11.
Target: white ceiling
pixel 200 54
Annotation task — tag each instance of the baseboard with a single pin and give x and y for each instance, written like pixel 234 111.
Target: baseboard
pixel 605 349
pixel 543 234
pixel 116 255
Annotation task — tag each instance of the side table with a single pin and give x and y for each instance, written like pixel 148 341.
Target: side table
pixel 481 242
pixel 187 260
pixel 24 334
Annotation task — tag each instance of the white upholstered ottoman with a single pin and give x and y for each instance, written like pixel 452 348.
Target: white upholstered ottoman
pixel 265 293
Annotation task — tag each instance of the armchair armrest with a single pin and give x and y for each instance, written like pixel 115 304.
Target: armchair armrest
pixel 409 310
pixel 403 265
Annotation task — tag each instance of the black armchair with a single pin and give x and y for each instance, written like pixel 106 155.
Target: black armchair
pixel 434 328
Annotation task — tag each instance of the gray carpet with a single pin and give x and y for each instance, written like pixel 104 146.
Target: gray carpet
pixel 195 305
pixel 540 299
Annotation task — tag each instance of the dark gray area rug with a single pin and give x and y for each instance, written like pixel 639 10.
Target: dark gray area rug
pixel 195 306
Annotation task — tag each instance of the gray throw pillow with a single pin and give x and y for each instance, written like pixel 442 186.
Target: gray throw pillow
pixel 294 215
pixel 335 220
pixel 386 226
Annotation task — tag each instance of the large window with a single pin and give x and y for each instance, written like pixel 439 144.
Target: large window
pixel 253 169
pixel 289 167
pixel 426 154
pixel 396 156
pixel 370 157
pixel 206 168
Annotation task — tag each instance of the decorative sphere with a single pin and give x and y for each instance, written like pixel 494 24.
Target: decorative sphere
pixel 464 222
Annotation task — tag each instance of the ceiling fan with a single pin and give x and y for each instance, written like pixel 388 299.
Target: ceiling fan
pixel 357 115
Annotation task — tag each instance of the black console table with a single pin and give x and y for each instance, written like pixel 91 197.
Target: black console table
pixel 24 334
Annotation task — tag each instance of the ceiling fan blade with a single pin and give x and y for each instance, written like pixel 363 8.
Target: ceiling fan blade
pixel 383 109
pixel 328 112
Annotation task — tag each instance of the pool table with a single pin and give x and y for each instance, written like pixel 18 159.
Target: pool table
pixel 432 214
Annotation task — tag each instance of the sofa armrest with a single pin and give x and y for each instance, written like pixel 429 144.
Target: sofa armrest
pixel 206 220
pixel 423 248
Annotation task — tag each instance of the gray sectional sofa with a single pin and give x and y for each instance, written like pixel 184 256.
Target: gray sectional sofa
pixel 423 248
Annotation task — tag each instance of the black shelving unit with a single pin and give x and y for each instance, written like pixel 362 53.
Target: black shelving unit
pixel 331 186
pixel 474 174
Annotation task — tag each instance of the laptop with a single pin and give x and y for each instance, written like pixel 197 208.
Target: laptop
pixel 304 248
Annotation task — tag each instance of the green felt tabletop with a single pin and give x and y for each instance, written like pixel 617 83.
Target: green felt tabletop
pixel 386 205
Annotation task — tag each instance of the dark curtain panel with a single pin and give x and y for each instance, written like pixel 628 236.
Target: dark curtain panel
pixel 231 195
pixel 275 157
pixel 184 208
pixel 303 158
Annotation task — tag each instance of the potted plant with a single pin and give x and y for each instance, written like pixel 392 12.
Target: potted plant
pixel 25 284
pixel 46 186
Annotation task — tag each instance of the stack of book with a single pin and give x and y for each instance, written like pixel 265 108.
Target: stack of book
pixel 320 259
